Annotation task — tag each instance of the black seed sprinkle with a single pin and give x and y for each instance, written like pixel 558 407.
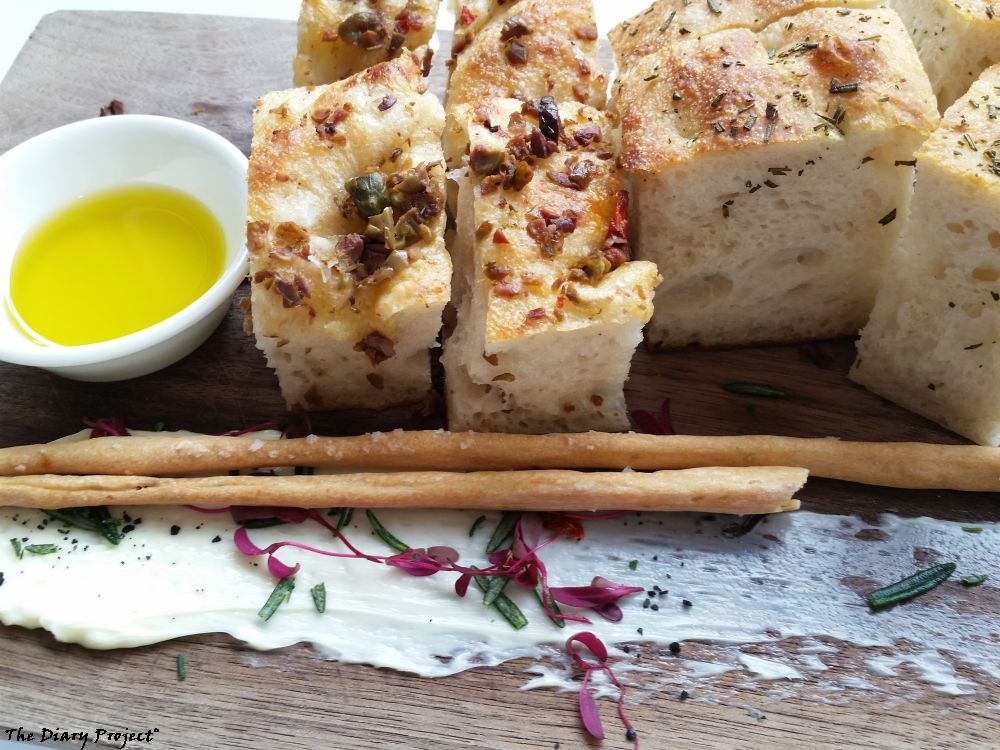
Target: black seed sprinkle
pixel 175 530
pixel 686 603
pixel 216 539
pixel 655 607
pixel 684 695
pixel 675 648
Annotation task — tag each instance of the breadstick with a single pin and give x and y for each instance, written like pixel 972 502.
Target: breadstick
pixel 716 490
pixel 906 465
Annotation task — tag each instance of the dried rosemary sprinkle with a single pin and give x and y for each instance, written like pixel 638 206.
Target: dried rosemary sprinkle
pixel 836 87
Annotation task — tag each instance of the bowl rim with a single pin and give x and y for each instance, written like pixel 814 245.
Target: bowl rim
pixel 57 356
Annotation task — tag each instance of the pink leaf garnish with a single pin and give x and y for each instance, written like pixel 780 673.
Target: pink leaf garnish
pixel 279 569
pixel 601 596
pixel 589 716
pixel 107 427
pixel 252 428
pixel 462 584
pixel 655 425
pixel 288 515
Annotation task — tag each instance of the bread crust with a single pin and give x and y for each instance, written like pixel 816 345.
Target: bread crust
pixel 666 22
pixel 738 90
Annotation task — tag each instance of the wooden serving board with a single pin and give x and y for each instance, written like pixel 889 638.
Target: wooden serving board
pixel 210 70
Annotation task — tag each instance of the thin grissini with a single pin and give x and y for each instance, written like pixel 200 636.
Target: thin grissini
pixel 713 490
pixel 904 465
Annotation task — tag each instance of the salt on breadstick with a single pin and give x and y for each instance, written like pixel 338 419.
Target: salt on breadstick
pixel 905 465
pixel 715 490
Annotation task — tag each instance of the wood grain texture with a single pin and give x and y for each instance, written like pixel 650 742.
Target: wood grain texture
pixel 210 70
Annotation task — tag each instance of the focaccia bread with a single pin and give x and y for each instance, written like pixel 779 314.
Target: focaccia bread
pixel 552 309
pixel 524 49
pixel 668 21
pixel 338 38
pixel 346 236
pixel 956 41
pixel 768 171
pixel 933 341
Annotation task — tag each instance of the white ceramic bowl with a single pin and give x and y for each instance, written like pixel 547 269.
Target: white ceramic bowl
pixel 52 170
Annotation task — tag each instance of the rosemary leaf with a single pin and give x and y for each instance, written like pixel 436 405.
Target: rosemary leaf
pixel 476 524
pixel 282 592
pixel 319 597
pixel 504 605
pixel 914 585
pixel 383 533
pixel 181 668
pixel 503 532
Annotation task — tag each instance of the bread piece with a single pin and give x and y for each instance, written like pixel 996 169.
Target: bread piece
pixel 932 341
pixel 553 310
pixel 668 21
pixel 766 186
pixel 338 38
pixel 524 49
pixel 956 41
pixel 344 322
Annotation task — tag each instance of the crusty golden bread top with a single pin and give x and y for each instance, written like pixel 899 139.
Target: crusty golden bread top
pixel 551 220
pixel 968 140
pixel 315 259
pixel 820 75
pixel 338 38
pixel 667 21
pixel 529 49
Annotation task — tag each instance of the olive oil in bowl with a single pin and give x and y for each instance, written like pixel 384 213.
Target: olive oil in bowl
pixel 115 263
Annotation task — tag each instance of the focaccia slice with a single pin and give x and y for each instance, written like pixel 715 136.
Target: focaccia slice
pixel 933 341
pixel 772 172
pixel 346 234
pixel 551 306
pixel 956 41
pixel 338 38
pixel 524 49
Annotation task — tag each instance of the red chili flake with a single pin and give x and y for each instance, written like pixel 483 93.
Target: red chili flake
pixel 499 238
pixel 537 314
pixel 466 17
pixel 616 247
pixel 560 302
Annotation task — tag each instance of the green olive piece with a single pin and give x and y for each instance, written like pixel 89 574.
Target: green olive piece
pixel 365 29
pixel 369 193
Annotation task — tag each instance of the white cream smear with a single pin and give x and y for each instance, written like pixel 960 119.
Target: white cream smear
pixel 797 575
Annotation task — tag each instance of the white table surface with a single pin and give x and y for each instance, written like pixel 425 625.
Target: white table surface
pixel 18 19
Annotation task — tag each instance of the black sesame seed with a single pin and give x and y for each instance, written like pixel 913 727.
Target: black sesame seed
pixel 216 539
pixel 684 695
pixel 128 528
pixel 175 530
pixel 675 647
pixel 645 604
pixel 630 734
pixel 686 603
pixel 655 607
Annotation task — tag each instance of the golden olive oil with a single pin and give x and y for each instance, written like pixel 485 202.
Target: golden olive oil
pixel 114 263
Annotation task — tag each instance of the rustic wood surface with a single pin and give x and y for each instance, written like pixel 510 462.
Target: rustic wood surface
pixel 210 70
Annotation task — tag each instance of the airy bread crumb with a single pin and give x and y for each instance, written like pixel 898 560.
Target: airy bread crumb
pixel 932 342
